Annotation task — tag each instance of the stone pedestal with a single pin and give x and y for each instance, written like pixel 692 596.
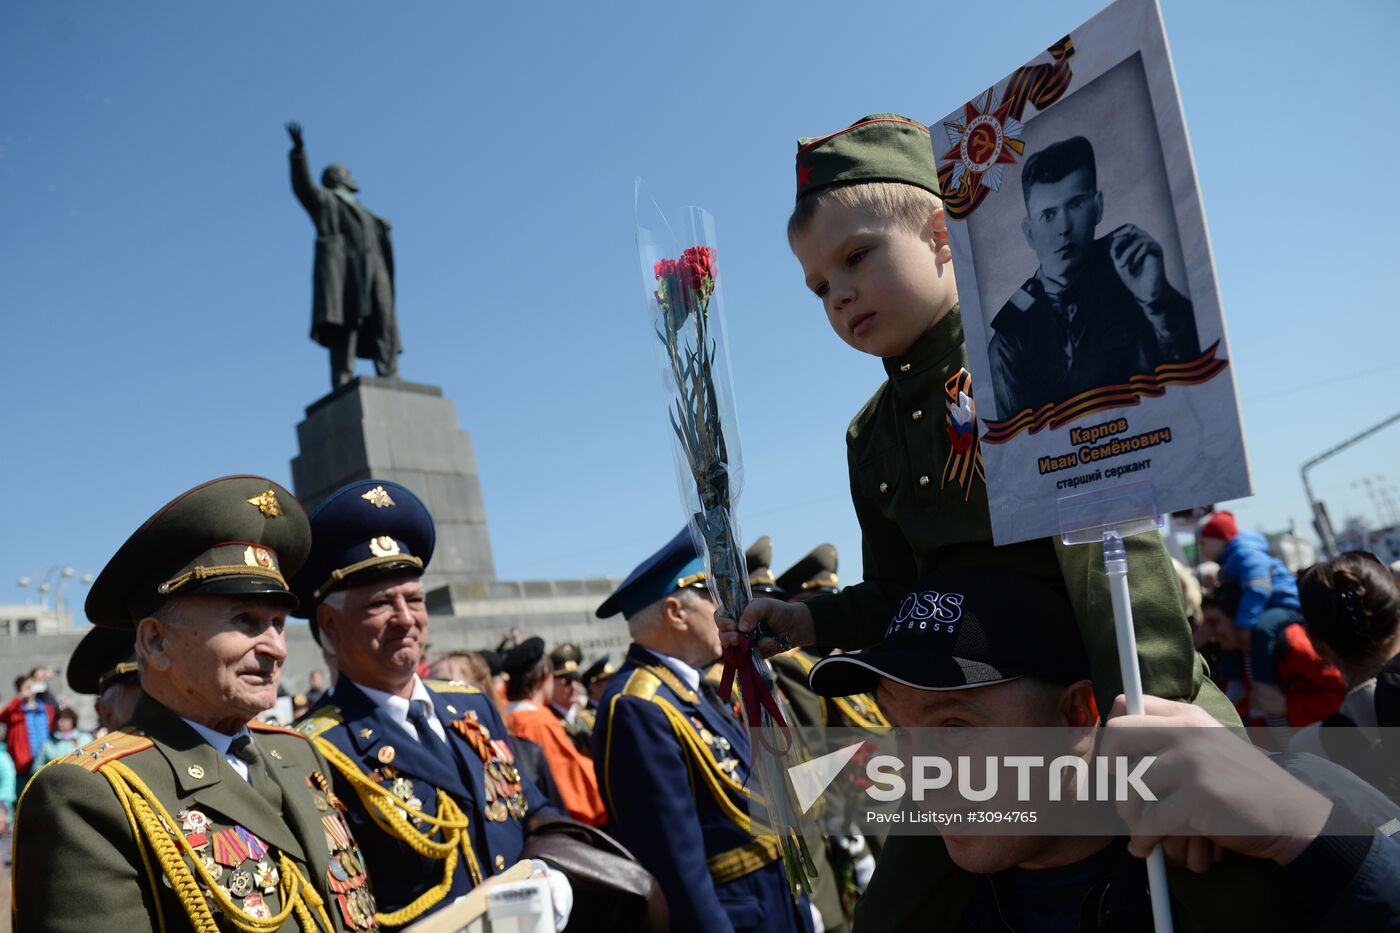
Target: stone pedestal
pixel 406 432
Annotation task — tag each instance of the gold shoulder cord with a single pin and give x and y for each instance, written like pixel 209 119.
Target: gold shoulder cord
pixel 719 784
pixel 387 812
pixel 149 819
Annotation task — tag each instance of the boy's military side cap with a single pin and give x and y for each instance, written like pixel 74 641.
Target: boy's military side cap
pixel 566 658
pixel 235 536
pixel 362 532
pixel 813 574
pixel 758 560
pixel 523 656
pixel 964 627
pixel 493 661
pixel 105 655
pixel 879 147
pixel 676 566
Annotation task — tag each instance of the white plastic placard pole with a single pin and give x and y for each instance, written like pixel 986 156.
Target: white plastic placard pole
pixel 1108 518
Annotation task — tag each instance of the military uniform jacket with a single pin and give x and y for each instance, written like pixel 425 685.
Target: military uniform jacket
pixel 78 864
pixel 351 729
pixel 911 523
pixel 1094 333
pixel 673 765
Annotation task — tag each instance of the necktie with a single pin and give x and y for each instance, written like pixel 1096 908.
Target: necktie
pixel 259 776
pixel 418 715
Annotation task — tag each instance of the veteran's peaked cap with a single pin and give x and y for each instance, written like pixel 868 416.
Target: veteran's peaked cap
pixel 363 531
pixel 233 536
pixel 659 575
pixel 101 657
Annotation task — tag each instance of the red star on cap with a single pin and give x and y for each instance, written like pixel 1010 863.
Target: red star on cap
pixel 804 175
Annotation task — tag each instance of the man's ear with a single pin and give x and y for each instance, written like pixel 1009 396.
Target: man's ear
pixel 151 635
pixel 1026 232
pixel 1098 207
pixel 673 614
pixel 1077 705
pixel 325 623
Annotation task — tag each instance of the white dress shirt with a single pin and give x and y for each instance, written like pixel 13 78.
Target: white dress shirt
pixel 397 707
pixel 688 675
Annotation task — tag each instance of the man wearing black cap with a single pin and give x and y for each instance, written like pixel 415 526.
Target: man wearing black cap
pixel 674 763
pixel 194 816
pixel 952 660
pixel 104 665
pixel 425 768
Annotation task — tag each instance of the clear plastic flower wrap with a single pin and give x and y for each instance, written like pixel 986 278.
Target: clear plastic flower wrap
pixel 682 286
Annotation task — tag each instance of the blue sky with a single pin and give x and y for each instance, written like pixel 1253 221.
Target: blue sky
pixel 155 267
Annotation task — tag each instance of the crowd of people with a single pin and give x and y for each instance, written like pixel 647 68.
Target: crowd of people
pixel 629 791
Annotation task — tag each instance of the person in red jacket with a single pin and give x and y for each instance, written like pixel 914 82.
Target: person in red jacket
pixel 30 720
pixel 1302 688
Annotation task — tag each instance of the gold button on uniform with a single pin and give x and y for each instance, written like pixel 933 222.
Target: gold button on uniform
pixel 904 367
pixel 923 480
pixel 917 415
pixel 884 487
pixel 500 862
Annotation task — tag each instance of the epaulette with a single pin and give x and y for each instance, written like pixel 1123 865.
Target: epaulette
pixel 111 747
pixel 450 686
pixel 643 683
pixel 322 720
pixel 257 726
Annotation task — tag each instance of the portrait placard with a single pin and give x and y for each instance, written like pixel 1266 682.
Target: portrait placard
pixel 1094 330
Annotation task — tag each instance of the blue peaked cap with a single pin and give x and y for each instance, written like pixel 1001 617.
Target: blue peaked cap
pixel 363 531
pixel 658 576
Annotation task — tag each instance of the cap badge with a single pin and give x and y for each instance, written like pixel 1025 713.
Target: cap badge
pixel 378 498
pixel 258 557
pixel 267 504
pixel 383 546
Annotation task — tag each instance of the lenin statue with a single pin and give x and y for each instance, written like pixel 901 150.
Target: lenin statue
pixel 352 314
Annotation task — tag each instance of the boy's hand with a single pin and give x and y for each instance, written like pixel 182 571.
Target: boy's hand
pixel 1201 773
pixel 790 620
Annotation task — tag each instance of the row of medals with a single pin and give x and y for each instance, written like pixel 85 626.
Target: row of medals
pixel 245 883
pixel 721 747
pixel 504 796
pixel 348 877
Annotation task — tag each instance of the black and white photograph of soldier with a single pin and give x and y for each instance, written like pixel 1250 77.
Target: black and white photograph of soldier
pixel 1098 309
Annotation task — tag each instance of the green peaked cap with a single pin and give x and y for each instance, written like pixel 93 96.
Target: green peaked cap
pixel 235 536
pixel 878 147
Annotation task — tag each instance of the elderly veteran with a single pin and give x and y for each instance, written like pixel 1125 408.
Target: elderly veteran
pixel 958 656
pixel 105 665
pixel 673 761
pixel 194 816
pixel 426 767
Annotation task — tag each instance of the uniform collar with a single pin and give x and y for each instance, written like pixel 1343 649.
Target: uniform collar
pixel 936 344
pixel 219 740
pixel 396 707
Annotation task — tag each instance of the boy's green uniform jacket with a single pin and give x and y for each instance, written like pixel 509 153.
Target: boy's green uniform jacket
pixel 911 522
pixel 85 861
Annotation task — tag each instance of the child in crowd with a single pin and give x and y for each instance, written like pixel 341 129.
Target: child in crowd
pixel 871 235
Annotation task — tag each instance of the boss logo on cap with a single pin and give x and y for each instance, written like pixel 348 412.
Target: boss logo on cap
pixel 927 609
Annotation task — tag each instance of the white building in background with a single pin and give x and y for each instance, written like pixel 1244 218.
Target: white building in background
pixel 33 619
